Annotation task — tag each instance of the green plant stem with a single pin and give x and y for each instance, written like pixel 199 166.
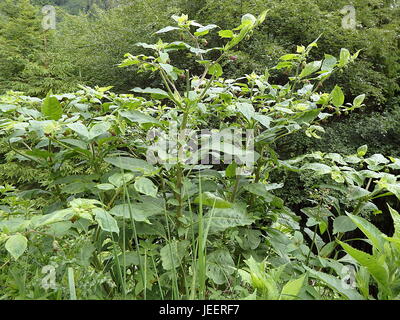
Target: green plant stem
pixel 201 251
pixel 171 94
pixel 208 68
pixel 116 194
pixel 24 155
pixel 235 188
pixel 135 237
pixel 208 85
pixel 312 245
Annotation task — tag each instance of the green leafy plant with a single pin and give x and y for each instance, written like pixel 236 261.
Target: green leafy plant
pixel 146 222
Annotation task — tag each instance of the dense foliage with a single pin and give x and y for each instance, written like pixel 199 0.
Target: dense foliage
pixel 105 194
pixel 86 49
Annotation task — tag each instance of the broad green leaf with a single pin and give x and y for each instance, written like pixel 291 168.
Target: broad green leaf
pixel 291 56
pixel 300 49
pixel 211 200
pixel 246 109
pixel 249 239
pixel 119 179
pixel 344 57
pixel 146 45
pixel 377 159
pixel 80 129
pixel 157 93
pixel 394 240
pixel 57 216
pixel 130 211
pixel 263 119
pixel 358 101
pixel 12 225
pixel 237 38
pixel 16 245
pixel 291 290
pixel 221 219
pixel 274 186
pixel 355 56
pixel 352 159
pixel 59 229
pixel 308 116
pixel 86 204
pixel 146 186
pixel 248 19
pixel 105 186
pixel 396 221
pixel 177 45
pixel 356 193
pixel 76 143
pixel 337 97
pixel 77 187
pixel 375 267
pixel 98 129
pixel 327 249
pixel 343 224
pixel 172 254
pixel 310 68
pixel 265 283
pixel 394 188
pixel 204 30
pixel 318 215
pixel 231 170
pixel 105 220
pixel 260 190
pixel 139 117
pixel 169 69
pixel 164 57
pixel 167 29
pixel 220 266
pixel 335 284
pixel 216 70
pixel 7 107
pixel 335 157
pixel 51 108
pixel 261 18
pixel 131 258
pixel 372 232
pixel 319 168
pixel 197 51
pixel 283 65
pixel 38 153
pixel 139 211
pixel 226 34
pixel 131 164
pixel 329 63
pixel 362 151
